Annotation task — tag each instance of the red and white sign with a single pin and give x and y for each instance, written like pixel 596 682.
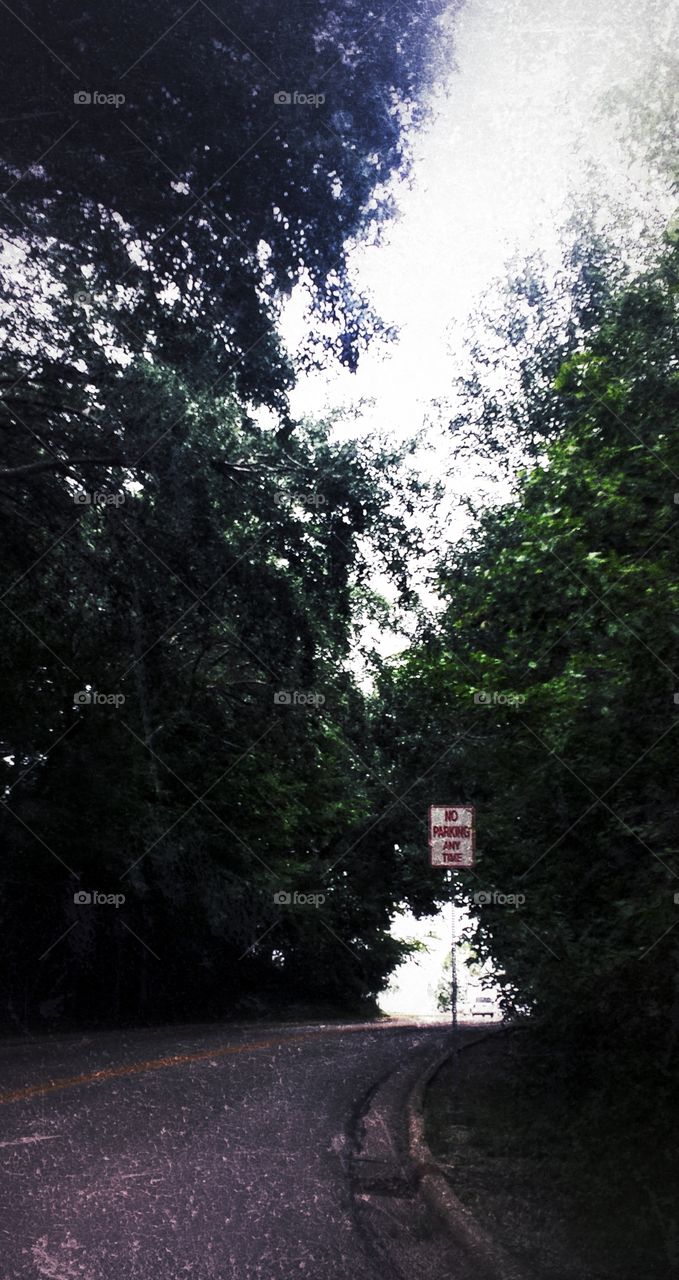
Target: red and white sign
pixel 452 835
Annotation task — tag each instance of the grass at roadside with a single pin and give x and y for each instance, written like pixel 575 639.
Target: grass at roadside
pixel 507 1154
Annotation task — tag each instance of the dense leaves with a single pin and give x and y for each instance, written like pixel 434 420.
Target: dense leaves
pixel 189 164
pixel 186 579
pixel 548 695
pixel 181 722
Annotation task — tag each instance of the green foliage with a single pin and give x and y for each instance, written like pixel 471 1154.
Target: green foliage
pixel 161 544
pixel 225 576
pixel 504 407
pixel 189 208
pixel 546 694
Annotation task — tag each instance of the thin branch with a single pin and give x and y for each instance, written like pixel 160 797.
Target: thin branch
pixel 59 464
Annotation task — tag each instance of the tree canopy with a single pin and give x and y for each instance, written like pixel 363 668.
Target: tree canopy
pixel 186 579
pixel 547 694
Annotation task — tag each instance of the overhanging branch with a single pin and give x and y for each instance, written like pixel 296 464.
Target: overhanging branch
pixel 59 464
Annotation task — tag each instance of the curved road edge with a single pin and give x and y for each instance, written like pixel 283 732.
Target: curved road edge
pixel 464 1229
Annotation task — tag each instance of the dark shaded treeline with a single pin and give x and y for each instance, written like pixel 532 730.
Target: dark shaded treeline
pixel 548 695
pixel 184 581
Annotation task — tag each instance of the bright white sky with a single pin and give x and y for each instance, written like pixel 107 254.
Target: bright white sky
pixel 496 174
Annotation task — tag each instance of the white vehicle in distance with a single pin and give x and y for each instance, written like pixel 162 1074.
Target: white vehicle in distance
pixel 484 1007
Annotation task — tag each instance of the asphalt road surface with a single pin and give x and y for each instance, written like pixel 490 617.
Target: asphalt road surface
pixel 198 1152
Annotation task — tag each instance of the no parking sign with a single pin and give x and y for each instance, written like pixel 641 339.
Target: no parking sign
pixel 452 835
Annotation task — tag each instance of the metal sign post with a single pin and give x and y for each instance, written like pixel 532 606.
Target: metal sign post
pixel 452 843
pixel 453 960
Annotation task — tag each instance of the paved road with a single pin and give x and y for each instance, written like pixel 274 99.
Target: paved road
pixel 209 1152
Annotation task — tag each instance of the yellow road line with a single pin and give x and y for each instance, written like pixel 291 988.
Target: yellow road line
pixel 135 1068
pixel 158 1064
